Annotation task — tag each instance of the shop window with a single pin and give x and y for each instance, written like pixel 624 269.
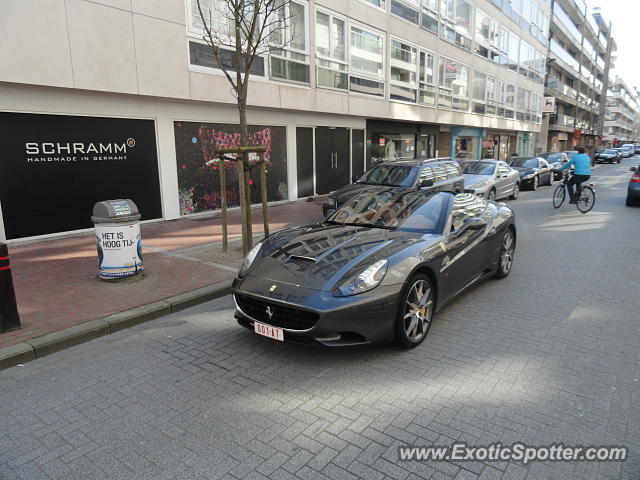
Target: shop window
pixel 389 146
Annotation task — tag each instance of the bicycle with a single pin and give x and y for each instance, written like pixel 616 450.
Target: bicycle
pixel 586 195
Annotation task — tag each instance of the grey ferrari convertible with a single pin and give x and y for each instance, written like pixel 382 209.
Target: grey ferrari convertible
pixel 375 271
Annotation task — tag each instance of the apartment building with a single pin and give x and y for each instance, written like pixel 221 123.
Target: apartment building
pixel 122 98
pixel 580 48
pixel 621 114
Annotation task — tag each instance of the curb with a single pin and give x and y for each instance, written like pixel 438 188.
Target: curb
pixel 53 342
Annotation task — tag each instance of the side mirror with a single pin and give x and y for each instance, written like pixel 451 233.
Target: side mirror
pixel 472 224
pixel 354 179
pixel 426 183
pixel 633 169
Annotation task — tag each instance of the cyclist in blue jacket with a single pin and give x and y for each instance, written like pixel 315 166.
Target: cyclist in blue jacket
pixel 581 174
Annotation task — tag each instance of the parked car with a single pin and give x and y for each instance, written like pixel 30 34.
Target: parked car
pixel 636 148
pixel 621 152
pixel 609 155
pixel 441 174
pixel 375 271
pixel 533 171
pixel 556 160
pixel 628 150
pixel 633 192
pixel 491 179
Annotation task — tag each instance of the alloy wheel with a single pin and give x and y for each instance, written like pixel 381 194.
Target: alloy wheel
pixel 492 195
pixel 417 311
pixel 516 191
pixel 506 253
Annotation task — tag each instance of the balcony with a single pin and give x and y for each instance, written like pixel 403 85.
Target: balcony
pixel 558 86
pixel 562 120
pixel 566 25
pixel 563 55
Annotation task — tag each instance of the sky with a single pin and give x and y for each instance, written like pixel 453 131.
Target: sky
pixel 624 16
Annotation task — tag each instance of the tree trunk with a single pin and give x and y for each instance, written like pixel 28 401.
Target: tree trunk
pixel 263 188
pixel 243 174
pixel 223 202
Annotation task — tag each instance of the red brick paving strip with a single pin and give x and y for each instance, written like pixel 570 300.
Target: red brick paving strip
pixel 57 284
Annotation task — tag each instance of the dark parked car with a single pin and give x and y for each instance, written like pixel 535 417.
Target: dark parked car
pixel 633 192
pixel 556 160
pixel 441 174
pixel 376 270
pixel 608 155
pixel 533 171
pixel 636 148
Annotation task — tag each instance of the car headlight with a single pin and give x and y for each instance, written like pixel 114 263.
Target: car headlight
pixel 364 281
pixel 251 256
pixel 480 186
pixel 529 176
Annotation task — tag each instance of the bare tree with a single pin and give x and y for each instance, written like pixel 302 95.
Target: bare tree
pixel 238 32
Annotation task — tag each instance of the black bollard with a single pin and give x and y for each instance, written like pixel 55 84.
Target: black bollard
pixel 9 318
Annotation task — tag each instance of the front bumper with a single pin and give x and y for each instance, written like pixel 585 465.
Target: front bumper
pixel 526 182
pixel 317 317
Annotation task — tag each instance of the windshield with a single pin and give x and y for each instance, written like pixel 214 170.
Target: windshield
pixel 610 152
pixel 411 211
pixel 479 168
pixel 389 175
pixel 524 162
pixel 554 157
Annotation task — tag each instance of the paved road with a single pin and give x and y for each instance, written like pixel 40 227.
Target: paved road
pixel 549 355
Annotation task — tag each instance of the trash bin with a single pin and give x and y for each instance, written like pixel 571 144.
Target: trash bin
pixel 117 224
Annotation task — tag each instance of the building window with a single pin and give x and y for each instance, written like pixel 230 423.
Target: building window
pixel 366 57
pixel 456 22
pixel 403 71
pixel 506 99
pixel 479 93
pixel 427 91
pixel 404 11
pixel 377 3
pixel 453 91
pixel 202 56
pixel 331 51
pixel 429 16
pixel 491 96
pixel 216 13
pixel 289 59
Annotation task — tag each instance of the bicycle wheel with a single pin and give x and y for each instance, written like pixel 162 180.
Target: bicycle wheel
pixel 558 196
pixel 587 200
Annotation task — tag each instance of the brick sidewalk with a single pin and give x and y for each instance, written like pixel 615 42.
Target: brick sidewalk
pixel 57 284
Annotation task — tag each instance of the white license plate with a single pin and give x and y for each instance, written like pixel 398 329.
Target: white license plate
pixel 269 331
